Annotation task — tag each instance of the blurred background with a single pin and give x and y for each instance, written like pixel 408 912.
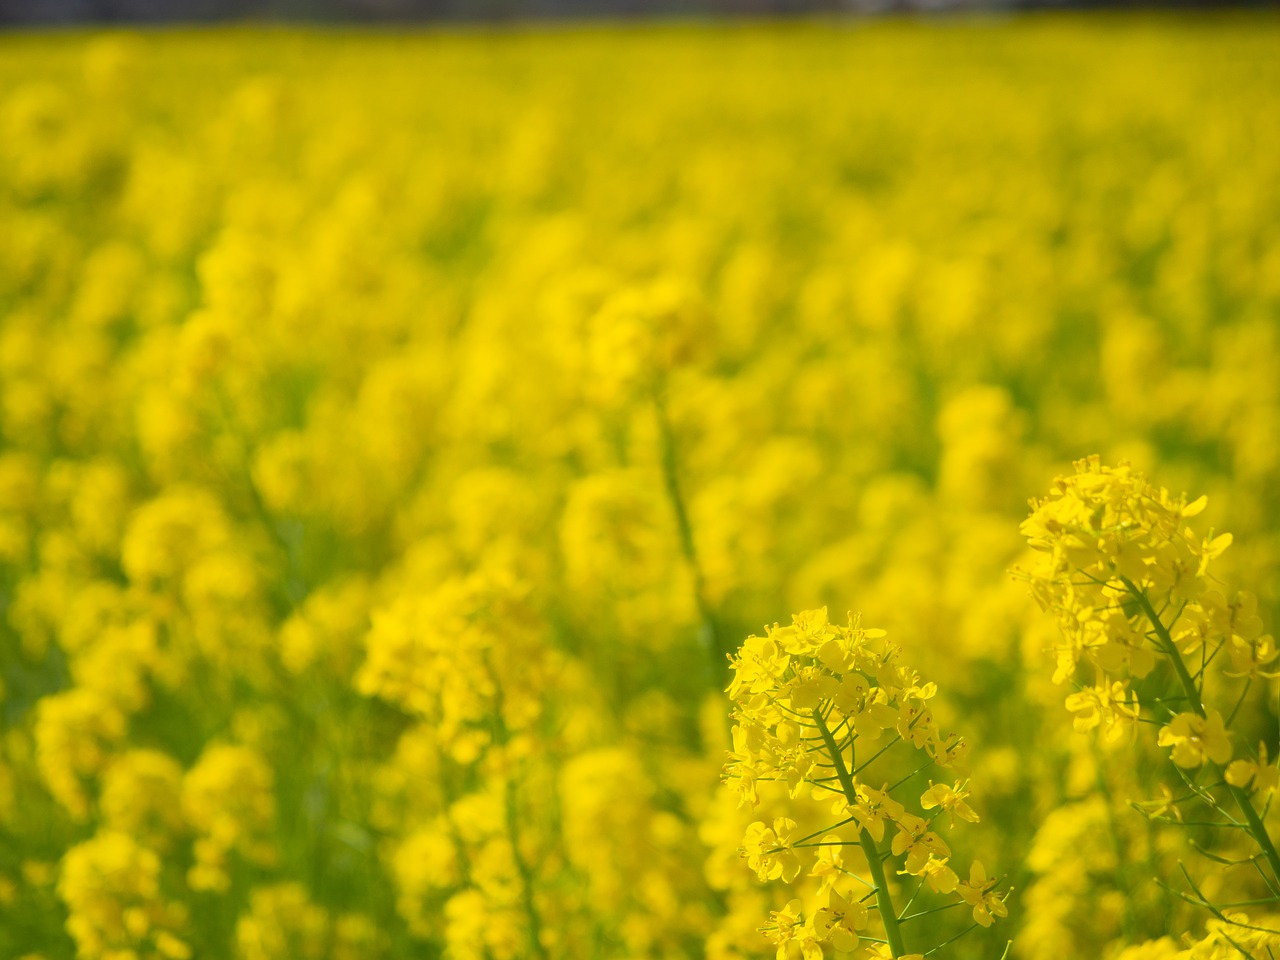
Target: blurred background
pixel 49 12
pixel 398 427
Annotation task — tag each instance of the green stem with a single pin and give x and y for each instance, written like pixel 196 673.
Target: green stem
pixel 884 901
pixel 707 633
pixel 1127 918
pixel 525 874
pixel 502 736
pixel 1257 829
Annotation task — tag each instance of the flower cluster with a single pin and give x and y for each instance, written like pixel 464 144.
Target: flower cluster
pixel 818 707
pixel 112 888
pixel 229 800
pixel 1129 581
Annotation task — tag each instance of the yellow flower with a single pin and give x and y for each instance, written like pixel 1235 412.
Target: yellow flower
pixel 141 795
pixel 228 797
pixel 839 921
pixel 950 799
pixel 918 842
pixel 1263 776
pixel 1196 739
pixel 829 866
pixel 1113 707
pixel 875 809
pixel 979 893
pixel 768 850
pixel 111 887
pixel 788 929
pixel 940 875
pixel 282 921
pixel 74 730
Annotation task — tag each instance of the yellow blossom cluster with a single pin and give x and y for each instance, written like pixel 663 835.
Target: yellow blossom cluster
pixel 1117 550
pixel 819 707
pixel 111 886
pixel 1129 582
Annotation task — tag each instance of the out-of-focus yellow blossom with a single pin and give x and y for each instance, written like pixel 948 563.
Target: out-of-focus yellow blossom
pixel 19 498
pixel 636 336
pixel 283 921
pixel 427 863
pixel 1260 775
pixel 73 734
pixel 168 537
pixel 115 905
pixel 1235 934
pixel 328 628
pixel 621 554
pixel 142 797
pixel 1163 949
pixel 459 657
pixel 1195 739
pixel 475 928
pixel 229 801
pixel 7 783
pixel 39 873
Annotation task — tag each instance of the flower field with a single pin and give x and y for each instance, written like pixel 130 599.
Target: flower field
pixel 435 469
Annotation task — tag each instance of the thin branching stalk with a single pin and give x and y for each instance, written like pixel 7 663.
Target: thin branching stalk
pixel 884 900
pixel 1253 823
